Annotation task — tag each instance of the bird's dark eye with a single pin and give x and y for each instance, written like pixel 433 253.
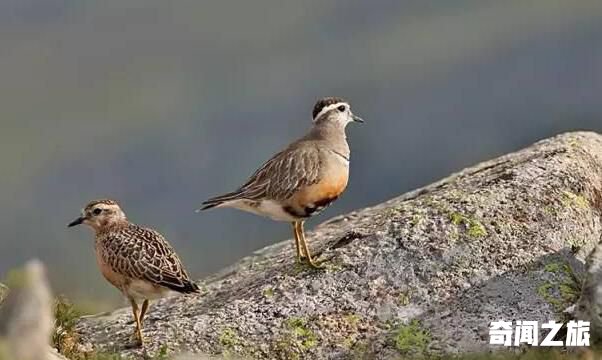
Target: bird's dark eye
pixel 97 211
pixel 341 108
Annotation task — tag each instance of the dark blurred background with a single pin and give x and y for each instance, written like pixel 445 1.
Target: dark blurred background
pixel 162 104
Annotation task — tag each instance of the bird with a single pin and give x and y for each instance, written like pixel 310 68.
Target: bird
pixel 304 178
pixel 136 260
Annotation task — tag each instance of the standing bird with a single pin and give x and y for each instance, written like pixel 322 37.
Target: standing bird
pixel 303 179
pixel 136 260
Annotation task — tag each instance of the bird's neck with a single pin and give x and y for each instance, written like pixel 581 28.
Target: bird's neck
pixel 112 225
pixel 333 136
pixel 329 131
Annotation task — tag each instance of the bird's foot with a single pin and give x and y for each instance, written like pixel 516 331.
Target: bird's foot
pixel 136 340
pixel 308 262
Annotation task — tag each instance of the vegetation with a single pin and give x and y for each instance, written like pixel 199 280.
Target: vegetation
pixel 411 338
pixel 64 337
pixel 297 339
pixel 474 227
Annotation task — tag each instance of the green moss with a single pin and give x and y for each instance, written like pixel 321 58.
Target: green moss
pixel 162 354
pixel 305 337
pixel 228 338
pixel 570 287
pixel 296 339
pixel 575 200
pixel 474 228
pixel 411 338
pixel 352 319
pixel 416 220
pixel 456 218
pixel 545 291
pixel 268 292
pixel 552 267
pixel 564 291
pixel 550 210
pixel 359 350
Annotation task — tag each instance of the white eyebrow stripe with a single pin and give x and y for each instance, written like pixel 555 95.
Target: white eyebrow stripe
pixel 326 109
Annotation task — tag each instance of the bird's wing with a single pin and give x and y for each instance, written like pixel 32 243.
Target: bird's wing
pixel 285 173
pixel 144 254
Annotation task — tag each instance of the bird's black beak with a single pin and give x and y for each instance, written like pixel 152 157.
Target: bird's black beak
pixel 77 221
pixel 357 119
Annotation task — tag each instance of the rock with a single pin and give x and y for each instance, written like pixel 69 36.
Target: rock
pixel 26 320
pixel 421 273
pixel 589 307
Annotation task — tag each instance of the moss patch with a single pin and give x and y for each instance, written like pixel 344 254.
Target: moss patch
pixel 574 200
pixel 552 267
pixel 564 290
pixel 296 339
pixel 228 338
pixel 268 292
pixel 474 228
pixel 411 338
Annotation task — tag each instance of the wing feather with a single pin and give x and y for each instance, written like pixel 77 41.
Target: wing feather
pixel 281 176
pixel 144 254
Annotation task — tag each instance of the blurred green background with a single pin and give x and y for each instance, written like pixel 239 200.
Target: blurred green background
pixel 162 104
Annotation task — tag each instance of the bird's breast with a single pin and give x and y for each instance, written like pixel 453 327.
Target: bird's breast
pixel 312 199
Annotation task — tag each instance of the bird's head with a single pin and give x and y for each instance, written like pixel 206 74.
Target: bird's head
pixel 99 214
pixel 334 110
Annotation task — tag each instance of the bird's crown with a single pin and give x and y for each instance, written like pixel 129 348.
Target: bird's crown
pixel 94 203
pixel 325 104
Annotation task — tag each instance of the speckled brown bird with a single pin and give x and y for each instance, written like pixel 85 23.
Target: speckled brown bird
pixel 303 179
pixel 136 260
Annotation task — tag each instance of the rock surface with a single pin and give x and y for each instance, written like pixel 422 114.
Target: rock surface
pixel 423 272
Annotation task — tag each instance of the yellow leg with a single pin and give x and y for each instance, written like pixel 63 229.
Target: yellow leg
pixel 304 244
pixel 143 311
pixel 138 333
pixel 297 245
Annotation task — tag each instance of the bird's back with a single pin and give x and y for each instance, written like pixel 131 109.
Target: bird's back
pixel 131 254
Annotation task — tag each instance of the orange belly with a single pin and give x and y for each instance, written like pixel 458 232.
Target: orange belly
pixel 116 279
pixel 331 187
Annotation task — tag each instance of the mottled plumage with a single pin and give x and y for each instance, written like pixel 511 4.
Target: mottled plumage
pixel 142 254
pixel 136 260
pixel 303 179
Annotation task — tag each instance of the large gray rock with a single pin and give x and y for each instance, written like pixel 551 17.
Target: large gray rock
pixel 424 272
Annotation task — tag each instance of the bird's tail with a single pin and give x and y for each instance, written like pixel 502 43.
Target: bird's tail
pixel 219 200
pixel 179 283
pixel 190 287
